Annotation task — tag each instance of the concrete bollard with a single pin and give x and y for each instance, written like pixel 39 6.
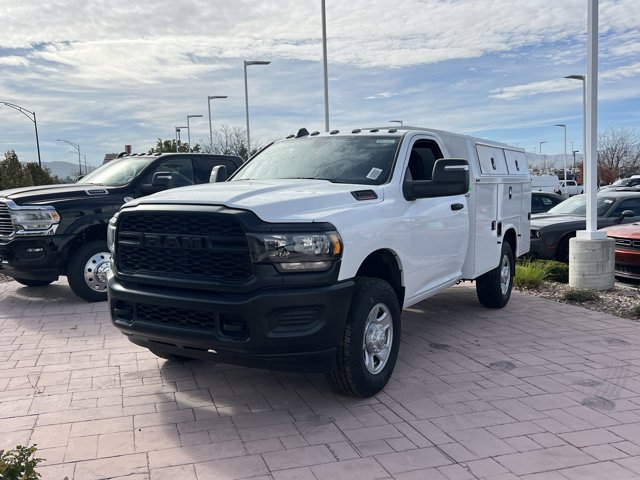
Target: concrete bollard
pixel 591 263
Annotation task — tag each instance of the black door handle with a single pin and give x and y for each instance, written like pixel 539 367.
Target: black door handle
pixel 457 206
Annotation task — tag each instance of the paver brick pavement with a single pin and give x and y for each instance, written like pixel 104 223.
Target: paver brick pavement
pixel 538 390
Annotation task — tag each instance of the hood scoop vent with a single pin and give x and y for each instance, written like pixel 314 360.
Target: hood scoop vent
pixel 97 191
pixel 364 195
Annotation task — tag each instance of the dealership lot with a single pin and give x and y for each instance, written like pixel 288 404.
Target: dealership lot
pixel 538 390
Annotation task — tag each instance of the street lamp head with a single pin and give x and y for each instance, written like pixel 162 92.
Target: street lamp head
pixel 564 125
pixel 576 77
pixel 194 116
pixel 211 97
pixel 256 62
pixel 396 121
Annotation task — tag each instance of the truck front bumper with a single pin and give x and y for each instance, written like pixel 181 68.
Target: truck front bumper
pixel 33 258
pixel 284 328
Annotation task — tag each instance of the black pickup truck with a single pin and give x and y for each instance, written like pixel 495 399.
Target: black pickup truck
pixel 52 230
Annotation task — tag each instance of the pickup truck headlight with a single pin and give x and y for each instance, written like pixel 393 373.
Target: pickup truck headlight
pixel 111 234
pixel 296 252
pixel 34 219
pixel 535 233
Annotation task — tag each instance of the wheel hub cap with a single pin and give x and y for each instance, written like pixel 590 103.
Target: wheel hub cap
pixel 378 338
pixel 505 274
pixel 375 338
pixel 96 270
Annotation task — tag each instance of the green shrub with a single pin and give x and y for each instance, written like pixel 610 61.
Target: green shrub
pixel 530 274
pixel 19 464
pixel 556 271
pixel 635 311
pixel 580 295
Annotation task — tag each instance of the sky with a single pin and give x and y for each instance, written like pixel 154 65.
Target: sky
pixel 105 73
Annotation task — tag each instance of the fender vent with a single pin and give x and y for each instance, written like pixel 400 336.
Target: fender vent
pixel 364 195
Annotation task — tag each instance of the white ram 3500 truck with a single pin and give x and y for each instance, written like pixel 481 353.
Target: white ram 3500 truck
pixel 305 257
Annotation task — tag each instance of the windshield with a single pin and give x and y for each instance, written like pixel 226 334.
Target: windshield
pixel 362 160
pixel 577 205
pixel 117 172
pixel 623 182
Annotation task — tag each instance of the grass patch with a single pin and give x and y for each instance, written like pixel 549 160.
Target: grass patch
pixel 635 311
pixel 530 274
pixel 580 295
pixel 556 271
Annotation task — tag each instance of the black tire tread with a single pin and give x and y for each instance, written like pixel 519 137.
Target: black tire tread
pixel 488 294
pixel 75 271
pixel 342 378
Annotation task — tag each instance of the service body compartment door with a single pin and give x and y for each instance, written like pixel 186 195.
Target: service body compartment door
pixel 487 250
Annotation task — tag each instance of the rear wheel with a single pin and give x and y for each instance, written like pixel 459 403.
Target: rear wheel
pixel 87 271
pixel 371 339
pixel 494 287
pixel 32 283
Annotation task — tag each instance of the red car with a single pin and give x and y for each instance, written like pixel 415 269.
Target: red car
pixel 627 239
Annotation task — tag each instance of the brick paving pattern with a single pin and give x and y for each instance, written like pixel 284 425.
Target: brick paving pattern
pixel 536 391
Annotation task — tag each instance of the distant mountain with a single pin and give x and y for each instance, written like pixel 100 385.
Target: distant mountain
pixel 65 169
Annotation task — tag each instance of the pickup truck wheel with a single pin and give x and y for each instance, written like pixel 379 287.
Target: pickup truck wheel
pixel 169 356
pixel 32 283
pixel 494 287
pixel 369 348
pixel 87 271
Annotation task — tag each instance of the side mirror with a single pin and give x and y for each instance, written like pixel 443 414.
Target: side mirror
pixel 627 214
pixel 218 174
pixel 450 177
pixel 161 179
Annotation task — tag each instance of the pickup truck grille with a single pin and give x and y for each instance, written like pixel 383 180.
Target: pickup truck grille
pixel 627 243
pixel 6 224
pixel 201 246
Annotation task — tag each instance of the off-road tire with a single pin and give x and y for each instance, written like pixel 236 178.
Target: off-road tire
pixel 372 299
pixel 32 283
pixel 494 287
pixel 82 287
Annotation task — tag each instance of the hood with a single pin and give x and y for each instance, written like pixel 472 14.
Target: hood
pixel 630 230
pixel 540 220
pixel 47 194
pixel 272 200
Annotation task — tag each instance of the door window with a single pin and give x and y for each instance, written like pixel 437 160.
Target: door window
pixel 422 159
pixel 180 168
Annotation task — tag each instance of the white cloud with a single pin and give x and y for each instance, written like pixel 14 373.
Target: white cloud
pixel 14 61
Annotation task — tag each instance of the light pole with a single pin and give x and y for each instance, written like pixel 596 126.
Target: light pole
pixel 574 165
pixel 189 129
pixel 178 138
pixel 209 98
pixel 248 63
pixel 326 75
pixel 540 153
pixel 77 147
pixel 31 116
pixel 583 79
pixel 396 121
pixel 564 158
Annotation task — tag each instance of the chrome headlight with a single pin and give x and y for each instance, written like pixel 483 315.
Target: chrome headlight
pixel 34 219
pixel 296 252
pixel 536 233
pixel 111 233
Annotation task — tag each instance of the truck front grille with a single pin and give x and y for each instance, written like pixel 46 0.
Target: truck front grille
pixel 6 224
pixel 627 243
pixel 186 245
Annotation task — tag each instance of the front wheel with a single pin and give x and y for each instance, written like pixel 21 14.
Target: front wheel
pixel 494 287
pixel 87 271
pixel 371 339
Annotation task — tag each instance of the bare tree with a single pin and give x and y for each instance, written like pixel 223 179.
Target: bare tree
pixel 618 154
